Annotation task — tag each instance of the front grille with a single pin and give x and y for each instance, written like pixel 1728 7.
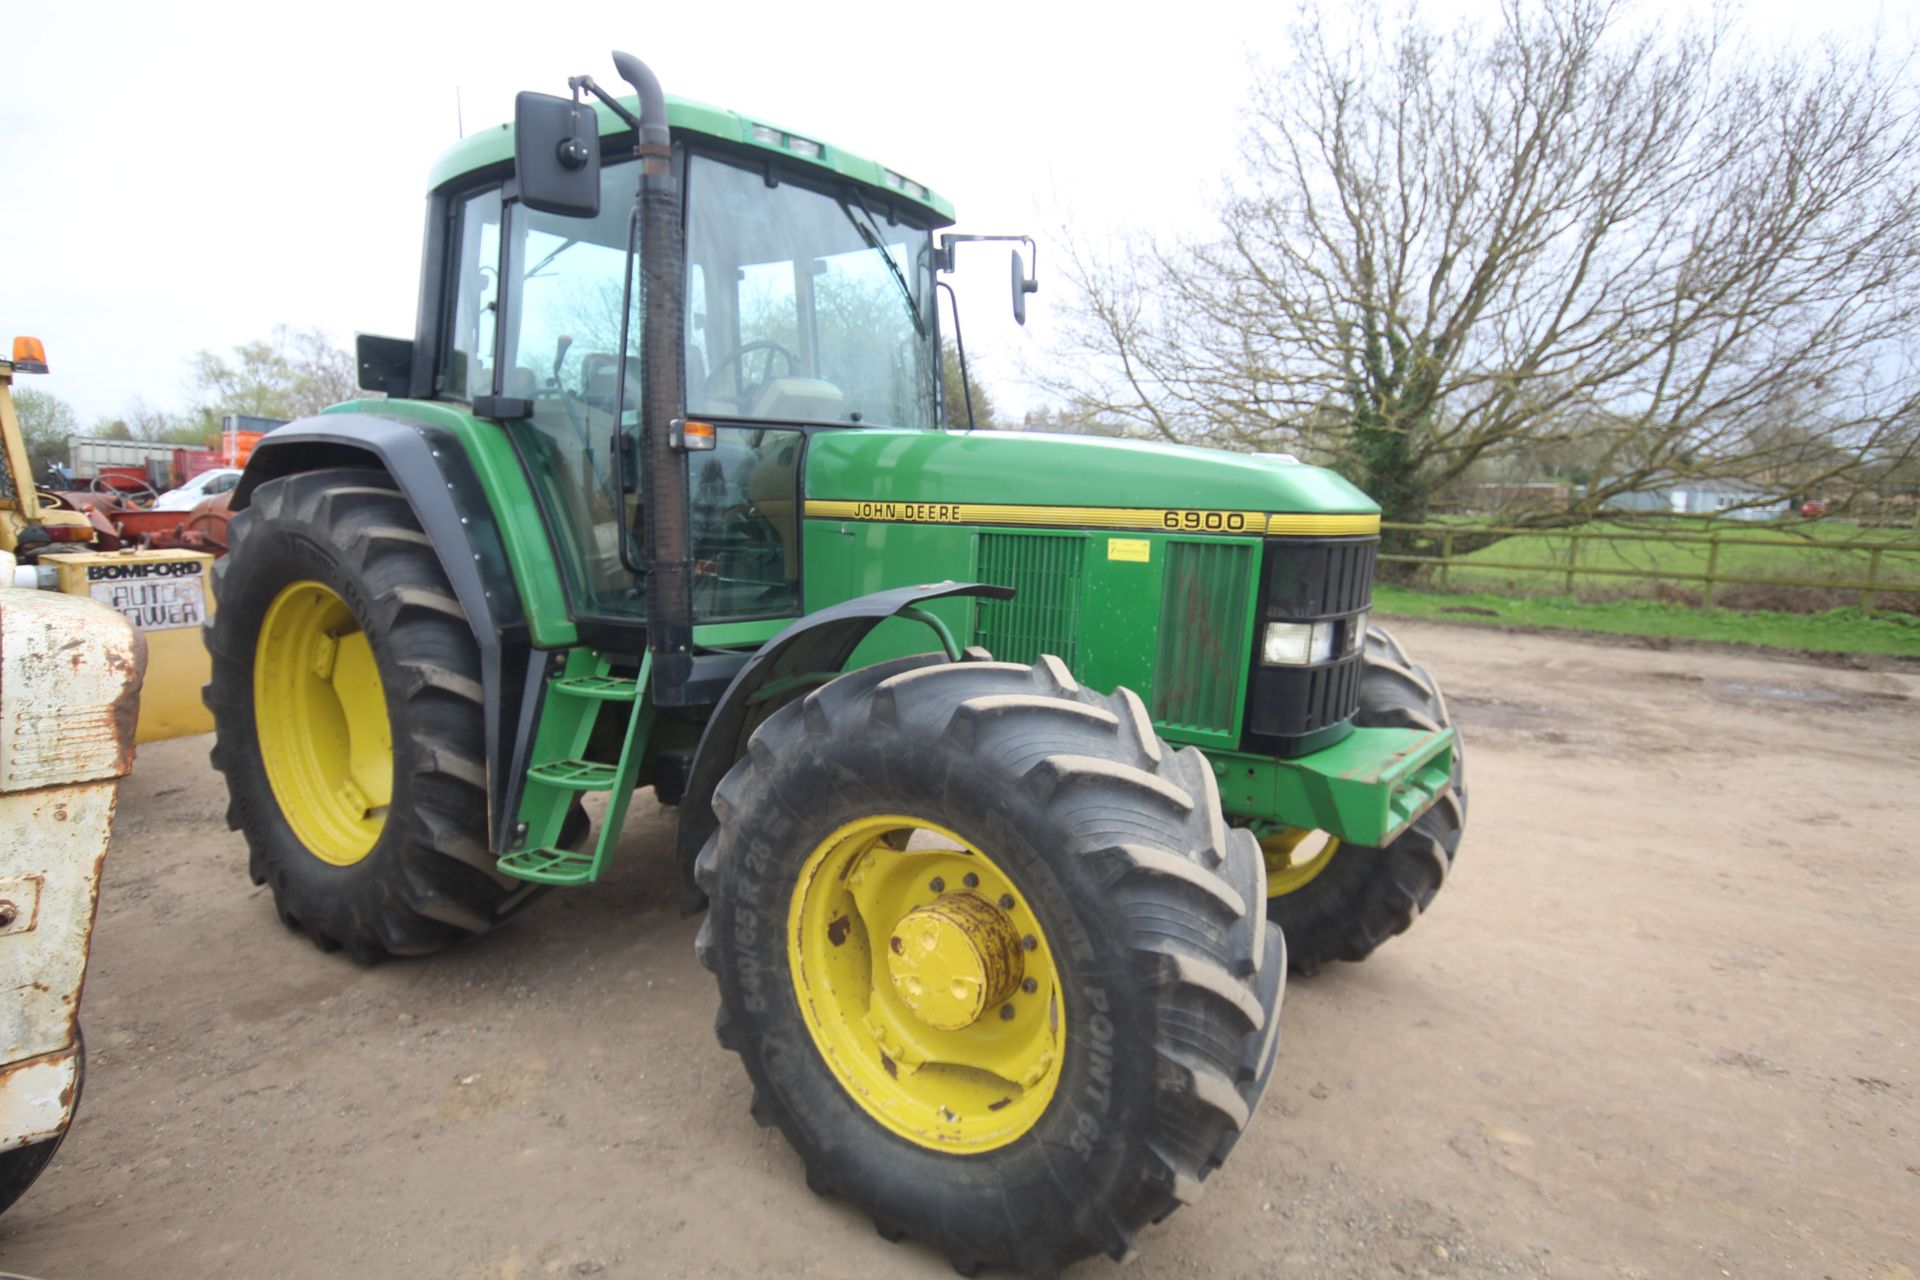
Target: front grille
pixel 1044 615
pixel 1318 579
pixel 1202 633
pixel 1292 711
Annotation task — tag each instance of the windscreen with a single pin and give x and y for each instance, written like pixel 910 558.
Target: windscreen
pixel 804 305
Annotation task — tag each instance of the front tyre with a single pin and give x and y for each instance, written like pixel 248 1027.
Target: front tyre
pixel 1341 902
pixel 991 956
pixel 348 717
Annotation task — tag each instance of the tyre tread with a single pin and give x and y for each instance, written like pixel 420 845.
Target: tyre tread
pixel 1186 889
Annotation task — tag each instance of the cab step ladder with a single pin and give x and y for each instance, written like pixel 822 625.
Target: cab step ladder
pixel 561 771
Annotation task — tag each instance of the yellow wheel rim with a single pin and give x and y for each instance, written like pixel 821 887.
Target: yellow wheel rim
pixel 321 716
pixel 1295 856
pixel 927 983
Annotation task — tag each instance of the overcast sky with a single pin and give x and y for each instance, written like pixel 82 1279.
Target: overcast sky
pixel 186 176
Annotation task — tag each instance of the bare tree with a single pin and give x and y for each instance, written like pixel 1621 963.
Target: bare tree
pixel 1568 225
pixel 46 421
pixel 140 420
pixel 293 373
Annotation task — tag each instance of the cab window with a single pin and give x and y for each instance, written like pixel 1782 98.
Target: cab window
pixel 466 370
pixel 561 352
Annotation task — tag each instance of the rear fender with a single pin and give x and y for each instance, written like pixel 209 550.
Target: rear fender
pixel 820 642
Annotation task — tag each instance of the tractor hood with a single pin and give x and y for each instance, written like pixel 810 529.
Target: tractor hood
pixel 1017 467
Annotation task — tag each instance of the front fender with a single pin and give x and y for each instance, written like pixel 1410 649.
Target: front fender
pixel 820 642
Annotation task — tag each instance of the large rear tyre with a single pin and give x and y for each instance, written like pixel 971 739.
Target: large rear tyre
pixel 991 956
pixel 1340 902
pixel 348 720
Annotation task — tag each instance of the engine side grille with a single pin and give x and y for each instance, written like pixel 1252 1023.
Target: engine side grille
pixel 1044 570
pixel 1202 635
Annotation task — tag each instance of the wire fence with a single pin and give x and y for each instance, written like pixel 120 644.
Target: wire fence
pixel 1468 555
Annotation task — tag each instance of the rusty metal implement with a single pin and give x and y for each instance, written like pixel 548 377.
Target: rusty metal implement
pixel 70 672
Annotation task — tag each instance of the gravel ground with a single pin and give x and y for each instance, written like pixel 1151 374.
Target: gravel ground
pixel 1664 1021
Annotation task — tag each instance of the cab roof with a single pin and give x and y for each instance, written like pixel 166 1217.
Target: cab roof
pixel 494 146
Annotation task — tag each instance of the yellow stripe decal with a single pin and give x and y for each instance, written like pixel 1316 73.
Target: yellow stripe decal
pixel 1178 521
pixel 1313 526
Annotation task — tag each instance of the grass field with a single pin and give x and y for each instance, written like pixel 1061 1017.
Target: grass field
pixel 1739 556
pixel 1844 630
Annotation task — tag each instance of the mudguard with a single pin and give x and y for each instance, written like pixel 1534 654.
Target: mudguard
pixel 818 643
pixel 432 472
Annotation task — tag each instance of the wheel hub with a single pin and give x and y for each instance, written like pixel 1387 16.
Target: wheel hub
pixel 320 714
pixel 927 983
pixel 954 959
pixel 1294 856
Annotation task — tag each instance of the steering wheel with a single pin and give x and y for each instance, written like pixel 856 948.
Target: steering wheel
pixel 143 496
pixel 750 391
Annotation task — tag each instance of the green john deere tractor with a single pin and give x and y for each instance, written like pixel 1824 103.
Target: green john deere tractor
pixel 989 749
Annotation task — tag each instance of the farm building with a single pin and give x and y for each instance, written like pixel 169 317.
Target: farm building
pixel 1736 499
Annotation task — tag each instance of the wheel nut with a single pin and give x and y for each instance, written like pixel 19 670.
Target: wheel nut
pixel 970 880
pixel 1006 902
pixel 1006 1013
pixel 1029 986
pixel 1029 942
pixel 938 885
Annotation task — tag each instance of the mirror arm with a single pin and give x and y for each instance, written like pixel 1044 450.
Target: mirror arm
pixel 950 242
pixel 577 83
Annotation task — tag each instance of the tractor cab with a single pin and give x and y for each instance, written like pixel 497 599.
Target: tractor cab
pixel 807 281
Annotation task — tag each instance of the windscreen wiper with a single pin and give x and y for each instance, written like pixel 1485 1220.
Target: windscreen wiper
pixel 541 265
pixel 870 232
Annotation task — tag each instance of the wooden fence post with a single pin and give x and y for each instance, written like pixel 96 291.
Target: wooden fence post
pixel 1446 556
pixel 1713 563
pixel 1573 557
pixel 1873 576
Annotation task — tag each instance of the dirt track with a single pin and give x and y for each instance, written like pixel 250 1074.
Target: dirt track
pixel 1664 1021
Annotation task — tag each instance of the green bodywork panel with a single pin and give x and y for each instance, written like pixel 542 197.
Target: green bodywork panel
pixel 851 557
pixel 1042 470
pixel 1364 789
pixel 529 549
pixel 494 146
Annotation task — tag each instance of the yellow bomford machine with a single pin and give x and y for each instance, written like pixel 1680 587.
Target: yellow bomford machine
pixel 165 595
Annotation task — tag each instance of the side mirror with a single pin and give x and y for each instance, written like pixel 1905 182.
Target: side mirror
pixel 385 364
pixel 556 155
pixel 1023 284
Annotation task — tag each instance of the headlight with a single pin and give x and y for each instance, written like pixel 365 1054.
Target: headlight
pixel 1287 644
pixel 1297 644
pixel 1308 644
